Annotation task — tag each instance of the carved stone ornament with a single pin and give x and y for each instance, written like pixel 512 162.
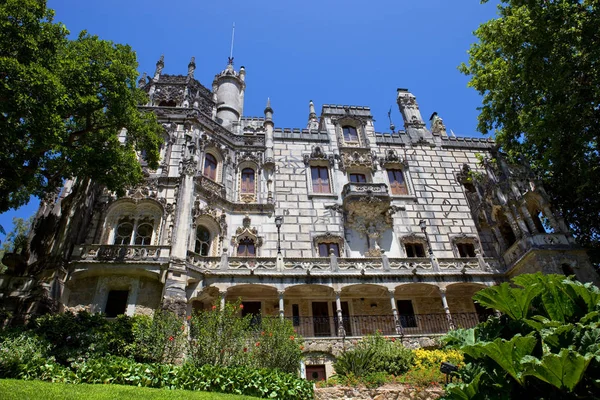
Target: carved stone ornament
pixel 246 231
pixel 413 238
pixel 248 156
pixel 349 119
pixel 169 93
pixel 329 237
pixel 217 216
pixel 464 175
pixel 189 167
pixel 356 158
pixel 145 190
pixel 392 158
pixel 317 154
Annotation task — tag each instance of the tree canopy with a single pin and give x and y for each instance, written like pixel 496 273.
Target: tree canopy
pixel 537 67
pixel 63 104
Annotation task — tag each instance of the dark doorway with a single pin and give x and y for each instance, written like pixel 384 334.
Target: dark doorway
pixel 252 308
pixel 345 317
pixel 116 303
pixel 406 312
pixel 320 312
pixel 315 373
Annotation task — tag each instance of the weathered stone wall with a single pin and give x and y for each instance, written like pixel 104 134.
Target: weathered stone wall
pixel 396 392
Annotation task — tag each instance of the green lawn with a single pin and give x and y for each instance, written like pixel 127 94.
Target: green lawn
pixel 11 389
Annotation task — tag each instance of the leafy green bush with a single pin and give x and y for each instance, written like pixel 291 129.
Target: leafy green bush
pixel 160 338
pixel 18 351
pixel 220 337
pixel 277 345
pixel 237 380
pixel 375 353
pixel 546 344
pixel 83 335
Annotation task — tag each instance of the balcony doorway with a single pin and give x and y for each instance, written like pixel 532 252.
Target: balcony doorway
pixel 320 315
pixel 252 308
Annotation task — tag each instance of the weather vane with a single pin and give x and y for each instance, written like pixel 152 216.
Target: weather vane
pixel 230 59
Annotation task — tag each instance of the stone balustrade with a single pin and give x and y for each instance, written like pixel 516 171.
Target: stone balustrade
pixel 537 241
pixel 360 265
pixel 97 252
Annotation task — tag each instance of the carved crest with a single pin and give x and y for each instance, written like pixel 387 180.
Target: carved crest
pixel 317 154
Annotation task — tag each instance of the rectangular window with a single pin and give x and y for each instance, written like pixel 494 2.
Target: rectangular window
pixel 320 179
pixel 350 134
pixel 397 183
pixel 406 313
pixel 466 249
pixel 358 178
pixel 116 303
pixel 325 249
pixel 414 250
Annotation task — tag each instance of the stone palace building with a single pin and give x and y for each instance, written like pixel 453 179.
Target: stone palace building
pixel 340 228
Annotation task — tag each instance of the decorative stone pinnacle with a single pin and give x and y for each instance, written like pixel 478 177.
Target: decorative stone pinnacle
pixel 160 64
pixel 192 67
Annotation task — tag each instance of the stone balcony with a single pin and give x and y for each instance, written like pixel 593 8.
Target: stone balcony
pixel 366 199
pixel 118 253
pixel 540 241
pixel 339 266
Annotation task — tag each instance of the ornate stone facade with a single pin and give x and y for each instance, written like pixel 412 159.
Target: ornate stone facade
pixel 381 231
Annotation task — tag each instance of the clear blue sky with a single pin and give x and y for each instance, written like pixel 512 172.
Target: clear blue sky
pixel 333 52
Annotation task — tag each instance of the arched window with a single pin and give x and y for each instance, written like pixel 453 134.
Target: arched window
pixel 143 234
pixel 397 183
pixel 210 167
pixel 247 180
pixel 202 241
pixel 350 134
pixel 123 233
pixel 246 248
pixel 505 230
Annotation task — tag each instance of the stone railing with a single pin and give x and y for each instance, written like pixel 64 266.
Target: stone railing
pixel 360 325
pixel 350 265
pixel 365 189
pixel 537 241
pixel 458 264
pixel 211 186
pixel 97 252
pixel 411 264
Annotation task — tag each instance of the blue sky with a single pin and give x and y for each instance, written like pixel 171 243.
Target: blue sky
pixel 333 52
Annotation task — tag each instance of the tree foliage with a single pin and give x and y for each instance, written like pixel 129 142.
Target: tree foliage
pixel 16 240
pixel 63 104
pixel 537 67
pixel 550 350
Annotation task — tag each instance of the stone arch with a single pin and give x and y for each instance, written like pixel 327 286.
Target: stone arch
pixel 137 211
pixel 217 176
pixel 206 223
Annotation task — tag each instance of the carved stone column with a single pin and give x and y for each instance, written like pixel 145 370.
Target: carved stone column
pixel 397 323
pixel 281 310
pixel 338 304
pixel 499 238
pixel 222 294
pixel 554 222
pixel 528 219
pixel 520 223
pixel 446 308
pixel 513 223
pixel 132 298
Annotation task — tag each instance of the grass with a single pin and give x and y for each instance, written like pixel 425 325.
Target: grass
pixel 12 389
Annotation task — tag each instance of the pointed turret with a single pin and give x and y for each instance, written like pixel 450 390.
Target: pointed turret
pixel 413 122
pixel 228 87
pixel 313 122
pixel 268 111
pixel 160 64
pixel 142 82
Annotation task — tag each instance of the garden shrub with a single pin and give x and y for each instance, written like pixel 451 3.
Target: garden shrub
pixel 19 351
pixel 277 345
pixel 160 338
pixel 546 344
pixel 220 337
pixel 265 383
pixel 83 335
pixel 434 358
pixel 375 353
